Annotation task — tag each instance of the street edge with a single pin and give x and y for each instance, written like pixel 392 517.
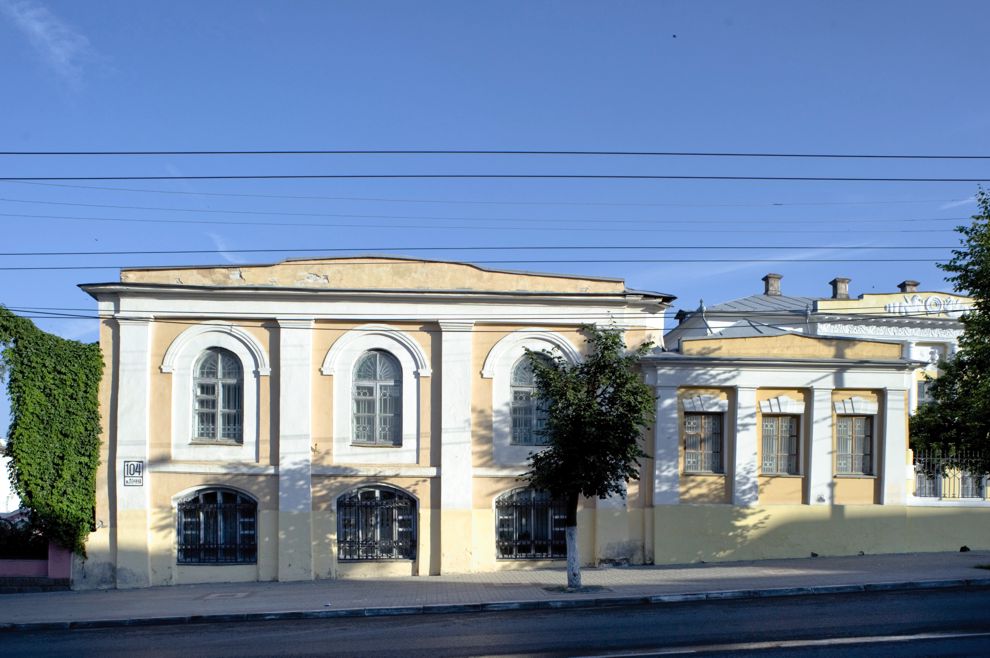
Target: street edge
pixel 502 606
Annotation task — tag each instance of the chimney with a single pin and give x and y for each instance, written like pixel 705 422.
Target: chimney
pixel 908 286
pixel 840 287
pixel 771 284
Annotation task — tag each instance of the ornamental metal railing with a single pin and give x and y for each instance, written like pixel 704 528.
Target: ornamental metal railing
pixel 217 533
pixel 376 529
pixel 530 525
pixel 957 477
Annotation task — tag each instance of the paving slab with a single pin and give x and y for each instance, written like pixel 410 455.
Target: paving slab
pixel 501 590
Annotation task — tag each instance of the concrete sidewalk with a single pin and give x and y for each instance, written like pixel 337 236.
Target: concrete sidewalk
pixel 506 590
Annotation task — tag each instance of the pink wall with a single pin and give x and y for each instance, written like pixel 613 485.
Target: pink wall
pixel 58 565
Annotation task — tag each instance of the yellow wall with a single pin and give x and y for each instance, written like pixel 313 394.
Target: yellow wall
pixel 721 533
pixel 792 346
pixel 379 273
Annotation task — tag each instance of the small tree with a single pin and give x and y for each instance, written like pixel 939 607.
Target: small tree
pixel 597 411
pixel 957 419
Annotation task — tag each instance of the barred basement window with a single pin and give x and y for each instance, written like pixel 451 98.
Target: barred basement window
pixel 376 523
pixel 377 399
pixel 530 525
pixel 217 526
pixel 854 449
pixel 781 439
pixel 703 443
pixel 529 415
pixel 219 388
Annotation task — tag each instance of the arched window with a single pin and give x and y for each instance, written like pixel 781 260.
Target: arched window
pixel 529 524
pixel 529 415
pixel 376 523
pixel 377 399
pixel 217 526
pixel 218 405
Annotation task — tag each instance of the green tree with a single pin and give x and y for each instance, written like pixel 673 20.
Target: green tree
pixel 596 413
pixel 957 419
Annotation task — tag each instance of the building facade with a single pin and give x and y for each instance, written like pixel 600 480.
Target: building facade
pixel 352 417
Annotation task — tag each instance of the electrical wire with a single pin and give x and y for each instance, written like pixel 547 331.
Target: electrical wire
pixel 530 152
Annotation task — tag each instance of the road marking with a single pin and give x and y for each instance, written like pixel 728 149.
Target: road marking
pixel 789 644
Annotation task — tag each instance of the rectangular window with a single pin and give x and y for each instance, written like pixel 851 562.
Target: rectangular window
pixel 924 394
pixel 781 440
pixel 703 443
pixel 854 445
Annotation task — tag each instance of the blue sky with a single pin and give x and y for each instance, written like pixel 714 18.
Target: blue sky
pixel 823 77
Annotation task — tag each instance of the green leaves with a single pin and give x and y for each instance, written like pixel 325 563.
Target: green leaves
pixel 957 420
pixel 54 439
pixel 597 412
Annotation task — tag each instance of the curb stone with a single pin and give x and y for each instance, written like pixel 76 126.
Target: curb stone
pixel 501 606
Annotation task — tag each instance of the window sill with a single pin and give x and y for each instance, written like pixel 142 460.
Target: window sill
pixel 376 445
pixel 214 442
pixel 703 473
pixel 854 476
pixel 782 475
pixel 215 564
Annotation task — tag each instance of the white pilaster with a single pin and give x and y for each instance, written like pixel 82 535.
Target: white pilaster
pixel 820 447
pixel 455 415
pixel 456 472
pixel 295 491
pixel 894 449
pixel 666 443
pixel 745 486
pixel 133 387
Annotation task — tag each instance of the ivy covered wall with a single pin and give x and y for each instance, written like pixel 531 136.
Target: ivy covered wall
pixel 54 436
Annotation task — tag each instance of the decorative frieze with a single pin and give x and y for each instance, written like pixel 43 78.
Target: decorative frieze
pixel 828 328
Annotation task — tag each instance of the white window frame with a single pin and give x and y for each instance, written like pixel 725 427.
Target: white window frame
pixel 180 361
pixel 339 364
pixel 498 367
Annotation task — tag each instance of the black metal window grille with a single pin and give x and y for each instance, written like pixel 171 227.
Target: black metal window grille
pixel 219 394
pixel 376 523
pixel 217 526
pixel 530 525
pixel 377 397
pixel 937 476
pixel 529 414
pixel 703 443
pixel 781 442
pixel 854 449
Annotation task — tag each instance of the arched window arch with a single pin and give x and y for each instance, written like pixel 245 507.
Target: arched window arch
pixel 529 414
pixel 376 523
pixel 217 526
pixel 529 524
pixel 218 383
pixel 377 399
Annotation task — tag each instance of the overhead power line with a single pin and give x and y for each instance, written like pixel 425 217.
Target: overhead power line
pixel 568 261
pixel 290 213
pixel 736 204
pixel 536 152
pixel 663 247
pixel 530 225
pixel 504 176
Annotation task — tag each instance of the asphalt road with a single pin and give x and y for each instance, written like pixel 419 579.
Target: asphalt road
pixel 920 623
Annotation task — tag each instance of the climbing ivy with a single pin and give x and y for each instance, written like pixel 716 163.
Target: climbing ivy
pixel 54 437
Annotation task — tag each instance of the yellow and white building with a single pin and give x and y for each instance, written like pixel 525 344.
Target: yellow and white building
pixel 349 417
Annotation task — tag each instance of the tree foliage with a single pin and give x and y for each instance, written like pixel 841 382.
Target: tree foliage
pixel 597 411
pixel 957 420
pixel 54 437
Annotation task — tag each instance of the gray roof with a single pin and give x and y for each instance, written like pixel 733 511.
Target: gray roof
pixel 765 303
pixel 746 329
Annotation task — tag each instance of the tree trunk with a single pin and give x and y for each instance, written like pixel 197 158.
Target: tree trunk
pixel 570 532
